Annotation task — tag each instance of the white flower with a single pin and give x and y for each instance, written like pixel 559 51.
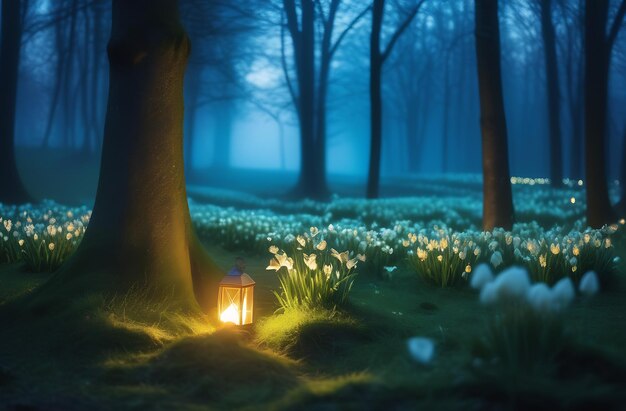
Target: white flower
pixel 310 261
pixel 512 284
pixel 421 349
pixel 321 245
pixel 563 293
pixel 273 249
pixel 539 297
pixel 51 246
pixel 481 277
pixel 589 284
pixel 328 270
pixel 496 259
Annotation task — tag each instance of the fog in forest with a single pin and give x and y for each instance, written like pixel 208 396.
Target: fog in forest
pixel 241 118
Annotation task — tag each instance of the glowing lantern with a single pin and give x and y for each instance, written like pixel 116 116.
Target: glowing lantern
pixel 235 299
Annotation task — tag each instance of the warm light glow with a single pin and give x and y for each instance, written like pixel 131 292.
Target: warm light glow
pixel 231 315
pixel 572 200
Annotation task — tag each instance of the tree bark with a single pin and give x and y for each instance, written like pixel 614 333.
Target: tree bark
pixel 140 234
pixel 497 195
pixel 597 59
pixel 11 188
pixel 552 86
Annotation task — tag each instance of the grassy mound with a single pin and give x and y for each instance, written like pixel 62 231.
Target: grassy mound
pixel 312 335
pixel 219 368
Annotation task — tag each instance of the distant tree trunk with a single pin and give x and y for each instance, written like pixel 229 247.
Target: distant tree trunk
pixel 376 104
pixel 59 37
pixel 552 86
pixel 621 206
pixel 377 59
pixel 85 71
pixel 94 118
pixel 497 195
pixel 140 233
pixel 574 85
pixel 303 39
pixel 68 102
pixel 445 118
pixel 11 189
pixel 597 61
pixel 223 134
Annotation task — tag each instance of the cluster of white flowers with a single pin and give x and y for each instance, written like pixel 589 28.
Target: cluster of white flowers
pixel 437 232
pixel 513 285
pixel 43 236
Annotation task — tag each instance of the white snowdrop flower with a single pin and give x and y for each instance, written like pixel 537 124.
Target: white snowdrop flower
pixel 51 246
pixel 563 293
pixel 496 259
pixel 421 349
pixel 512 283
pixel 589 284
pixel 481 277
pixel 539 297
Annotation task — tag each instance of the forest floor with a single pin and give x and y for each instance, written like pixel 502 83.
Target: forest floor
pixel 130 353
pixel 356 359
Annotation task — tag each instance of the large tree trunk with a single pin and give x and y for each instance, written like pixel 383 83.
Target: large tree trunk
pixel 376 103
pixel 140 233
pixel 597 58
pixel 552 85
pixel 11 188
pixel 497 195
pixel 192 95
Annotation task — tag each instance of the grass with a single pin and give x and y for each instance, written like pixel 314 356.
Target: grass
pixel 127 356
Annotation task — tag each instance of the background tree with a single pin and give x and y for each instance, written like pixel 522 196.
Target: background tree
pixel 553 94
pixel 377 59
pixel 11 188
pixel 497 194
pixel 309 94
pixel 140 233
pixel 598 47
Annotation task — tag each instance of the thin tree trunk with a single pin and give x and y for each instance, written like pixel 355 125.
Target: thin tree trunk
pixel 446 111
pixel 597 58
pixel 552 86
pixel 497 195
pixel 59 37
pixel 85 71
pixel 375 100
pixel 140 234
pixel 223 134
pixel 68 102
pixel 11 187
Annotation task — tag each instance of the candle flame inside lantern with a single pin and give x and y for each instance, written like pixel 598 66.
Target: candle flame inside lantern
pixel 230 315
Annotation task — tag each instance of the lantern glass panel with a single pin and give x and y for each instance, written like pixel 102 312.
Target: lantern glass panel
pixel 230 305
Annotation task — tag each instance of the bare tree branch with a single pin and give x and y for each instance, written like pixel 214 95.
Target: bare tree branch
pixel 396 35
